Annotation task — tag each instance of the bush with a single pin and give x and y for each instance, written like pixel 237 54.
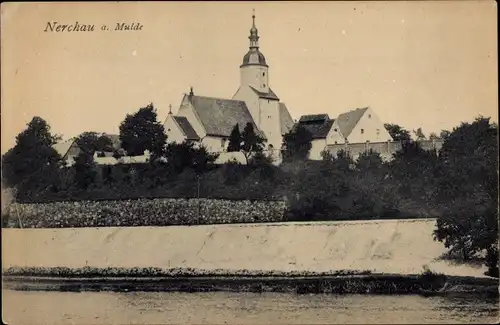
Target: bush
pixel 491 261
pixel 147 212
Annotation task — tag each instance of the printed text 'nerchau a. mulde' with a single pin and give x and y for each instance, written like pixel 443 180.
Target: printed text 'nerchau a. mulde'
pixel 55 26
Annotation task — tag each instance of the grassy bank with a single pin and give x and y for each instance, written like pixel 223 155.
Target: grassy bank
pixel 190 280
pixel 152 272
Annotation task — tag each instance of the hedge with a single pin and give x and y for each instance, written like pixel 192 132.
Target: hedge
pixel 143 212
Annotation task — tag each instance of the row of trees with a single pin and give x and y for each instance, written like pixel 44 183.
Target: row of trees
pixel 458 184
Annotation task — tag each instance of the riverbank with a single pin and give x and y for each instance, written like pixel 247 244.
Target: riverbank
pixel 80 281
pixel 378 246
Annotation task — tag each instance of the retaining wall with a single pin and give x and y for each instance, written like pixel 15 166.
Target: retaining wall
pixel 389 246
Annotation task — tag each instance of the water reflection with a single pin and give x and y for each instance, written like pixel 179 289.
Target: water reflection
pixel 241 308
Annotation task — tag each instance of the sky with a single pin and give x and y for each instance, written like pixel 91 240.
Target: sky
pixel 418 64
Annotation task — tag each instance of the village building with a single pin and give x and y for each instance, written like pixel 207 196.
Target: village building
pixel 357 126
pixel 209 121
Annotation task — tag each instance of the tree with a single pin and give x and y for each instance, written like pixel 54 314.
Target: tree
pixel 369 160
pixel 251 142
pixel 397 132
pixel 90 142
pixel 342 161
pixel 183 155
pixel 234 139
pixel 414 168
pixel 444 134
pixel 419 134
pixel 141 131
pixel 33 160
pixel 468 190
pixel 297 144
pixel 85 173
pixel 433 136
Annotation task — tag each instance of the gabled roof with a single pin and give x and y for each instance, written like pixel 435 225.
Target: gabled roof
pixel 314 118
pixel 219 116
pixel 286 120
pixel 347 121
pixel 318 128
pixel 186 128
pixel 268 95
pixel 63 147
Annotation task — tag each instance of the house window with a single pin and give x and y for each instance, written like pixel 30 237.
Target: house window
pixel 269 116
pixel 335 130
pixel 223 143
pixel 362 131
pixel 369 116
pixel 264 85
pixel 168 130
pixel 335 142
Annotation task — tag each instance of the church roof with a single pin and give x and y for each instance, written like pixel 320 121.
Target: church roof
pixel 347 121
pixel 318 125
pixel 186 128
pixel 268 95
pixel 286 120
pixel 254 57
pixel 219 116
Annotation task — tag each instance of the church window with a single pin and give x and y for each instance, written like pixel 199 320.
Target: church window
pixel 264 85
pixel 168 130
pixel 335 130
pixel 335 142
pixel 263 74
pixel 269 116
pixel 362 131
pixel 369 116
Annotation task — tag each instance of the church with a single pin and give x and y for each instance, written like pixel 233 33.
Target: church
pixel 209 121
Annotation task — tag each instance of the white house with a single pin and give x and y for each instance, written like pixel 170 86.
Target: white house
pixel 356 126
pixel 209 121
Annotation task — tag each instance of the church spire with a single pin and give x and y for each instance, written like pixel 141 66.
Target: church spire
pixel 254 34
pixel 254 56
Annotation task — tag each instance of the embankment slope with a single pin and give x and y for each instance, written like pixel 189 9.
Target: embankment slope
pixel 389 246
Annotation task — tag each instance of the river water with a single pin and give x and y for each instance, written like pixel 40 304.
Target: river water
pixel 35 307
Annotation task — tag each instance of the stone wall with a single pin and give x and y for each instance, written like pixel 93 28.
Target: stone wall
pixel 386 149
pixel 143 212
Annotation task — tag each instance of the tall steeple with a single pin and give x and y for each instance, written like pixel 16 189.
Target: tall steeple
pixel 254 34
pixel 254 56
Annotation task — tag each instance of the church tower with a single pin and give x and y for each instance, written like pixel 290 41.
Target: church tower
pixel 270 116
pixel 254 69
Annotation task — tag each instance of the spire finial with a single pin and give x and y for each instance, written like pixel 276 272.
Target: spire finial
pixel 191 92
pixel 254 36
pixel 170 109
